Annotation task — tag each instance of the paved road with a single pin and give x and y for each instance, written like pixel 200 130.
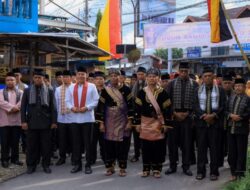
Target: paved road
pixel 62 179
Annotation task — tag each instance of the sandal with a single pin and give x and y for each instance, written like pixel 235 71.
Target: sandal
pixel 157 174
pixel 213 177
pixel 145 173
pixel 200 176
pixel 110 171
pixel 122 173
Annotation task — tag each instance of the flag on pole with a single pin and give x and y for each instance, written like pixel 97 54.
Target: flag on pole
pixel 109 34
pixel 219 28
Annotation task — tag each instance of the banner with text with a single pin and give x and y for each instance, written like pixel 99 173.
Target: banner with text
pixel 190 34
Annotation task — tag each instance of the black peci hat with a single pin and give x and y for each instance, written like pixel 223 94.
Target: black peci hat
pixel 165 76
pixel 39 72
pixel 59 73
pixel 16 70
pixel 227 78
pixel 82 69
pixel 134 75
pixel 46 76
pixel 91 75
pixel 141 69
pixel 239 81
pixel 10 74
pixel 184 65
pixel 207 70
pixel 123 73
pixel 99 74
pixel 66 73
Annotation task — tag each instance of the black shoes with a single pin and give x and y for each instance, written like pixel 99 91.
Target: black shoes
pixel 76 169
pixel 213 177
pixel 31 170
pixel 170 171
pixel 188 172
pixel 5 164
pixel 88 170
pixel 47 170
pixel 18 163
pixel 60 162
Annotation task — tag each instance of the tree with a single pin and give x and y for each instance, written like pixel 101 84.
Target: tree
pixel 163 53
pixel 98 20
pixel 134 55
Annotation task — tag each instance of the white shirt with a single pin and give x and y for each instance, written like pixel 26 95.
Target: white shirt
pixel 62 118
pixel 92 99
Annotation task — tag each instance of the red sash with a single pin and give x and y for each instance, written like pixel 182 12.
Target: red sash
pixel 84 95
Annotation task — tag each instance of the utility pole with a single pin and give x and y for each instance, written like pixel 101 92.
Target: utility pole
pixel 135 4
pixel 86 16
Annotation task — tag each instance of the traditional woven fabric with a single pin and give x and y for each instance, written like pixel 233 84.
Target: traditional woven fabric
pixel 237 106
pixel 6 97
pixel 62 99
pixel 44 95
pixel 188 95
pixel 202 94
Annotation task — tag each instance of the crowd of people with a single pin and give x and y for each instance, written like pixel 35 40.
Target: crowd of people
pixel 206 120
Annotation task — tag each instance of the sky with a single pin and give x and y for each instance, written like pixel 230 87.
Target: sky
pixel 77 7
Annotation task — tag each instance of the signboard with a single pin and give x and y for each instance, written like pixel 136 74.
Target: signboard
pixel 245 46
pixel 190 34
pixel 234 64
pixel 149 9
pixel 194 52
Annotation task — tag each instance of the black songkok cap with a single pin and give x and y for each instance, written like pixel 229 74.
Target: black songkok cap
pixel 134 76
pixel 141 69
pixel 123 73
pixel 59 73
pixel 10 74
pixel 184 65
pixel 239 81
pixel 154 71
pixel 46 76
pixel 82 69
pixel 66 73
pixel 227 78
pixel 91 75
pixel 16 70
pixel 99 74
pixel 165 76
pixel 38 72
pixel 207 70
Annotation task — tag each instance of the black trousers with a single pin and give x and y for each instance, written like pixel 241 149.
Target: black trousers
pixel 38 144
pixel 223 146
pixel 10 136
pixel 153 154
pixel 207 138
pixel 237 153
pixel 98 136
pixel 181 136
pixel 117 151
pixel 137 142
pixel 81 135
pixel 64 140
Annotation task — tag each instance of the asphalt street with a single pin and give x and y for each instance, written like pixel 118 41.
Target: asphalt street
pixel 62 179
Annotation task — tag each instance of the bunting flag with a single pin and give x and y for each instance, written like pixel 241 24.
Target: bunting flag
pixel 109 34
pixel 219 28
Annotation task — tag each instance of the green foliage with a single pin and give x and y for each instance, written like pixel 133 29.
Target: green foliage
pixel 163 53
pixel 244 183
pixel 134 55
pixel 98 20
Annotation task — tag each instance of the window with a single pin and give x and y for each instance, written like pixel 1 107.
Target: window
pixel 215 51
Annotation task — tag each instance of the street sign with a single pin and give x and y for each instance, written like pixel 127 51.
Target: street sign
pixel 245 46
pixel 194 52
